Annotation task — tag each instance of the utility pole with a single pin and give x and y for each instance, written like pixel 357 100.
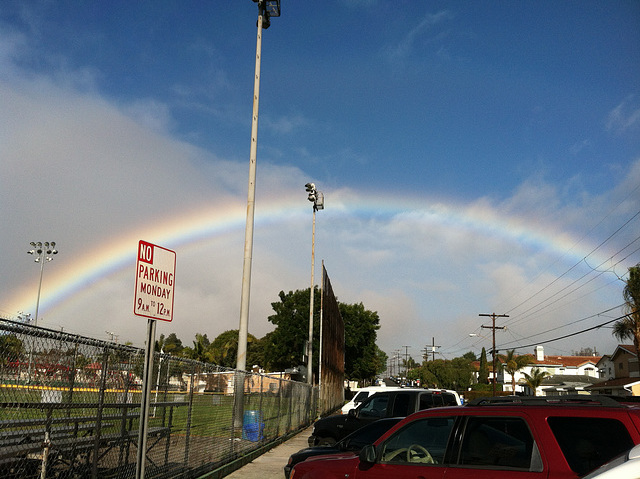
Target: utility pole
pixel 406 360
pixel 433 349
pixel 493 328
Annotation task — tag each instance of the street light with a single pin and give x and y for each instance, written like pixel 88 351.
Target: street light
pixel 42 252
pixel 317 198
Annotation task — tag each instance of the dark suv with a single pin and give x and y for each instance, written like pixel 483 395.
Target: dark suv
pixel 554 437
pixel 397 403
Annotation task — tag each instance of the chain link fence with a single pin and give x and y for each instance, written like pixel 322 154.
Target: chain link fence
pixel 70 408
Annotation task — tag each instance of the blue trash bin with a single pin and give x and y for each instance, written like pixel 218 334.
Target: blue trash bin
pixel 252 426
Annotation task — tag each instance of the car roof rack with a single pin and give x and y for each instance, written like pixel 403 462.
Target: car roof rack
pixel 566 400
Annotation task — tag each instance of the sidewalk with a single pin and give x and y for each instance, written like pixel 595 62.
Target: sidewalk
pixel 271 464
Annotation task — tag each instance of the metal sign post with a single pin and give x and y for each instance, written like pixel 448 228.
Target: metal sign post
pixel 146 396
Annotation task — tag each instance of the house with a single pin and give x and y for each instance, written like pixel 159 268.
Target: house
pixel 625 362
pixel 606 367
pixel 561 384
pixel 620 372
pixel 582 370
pixel 617 387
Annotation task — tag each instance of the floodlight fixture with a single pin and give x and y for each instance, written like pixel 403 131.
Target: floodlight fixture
pixel 266 10
pixel 42 252
pixel 273 8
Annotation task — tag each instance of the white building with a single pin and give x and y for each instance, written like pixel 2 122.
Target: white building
pixel 574 366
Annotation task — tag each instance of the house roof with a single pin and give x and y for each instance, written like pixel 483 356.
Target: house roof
pixel 624 349
pixel 569 380
pixel 612 383
pixel 566 361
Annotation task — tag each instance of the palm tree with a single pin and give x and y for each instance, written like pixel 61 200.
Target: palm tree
pixel 513 364
pixel 200 351
pixel 535 379
pixel 629 326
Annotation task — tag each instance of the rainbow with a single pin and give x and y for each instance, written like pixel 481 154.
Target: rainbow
pixel 205 223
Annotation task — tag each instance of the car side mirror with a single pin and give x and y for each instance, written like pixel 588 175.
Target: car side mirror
pixel 352 413
pixel 368 454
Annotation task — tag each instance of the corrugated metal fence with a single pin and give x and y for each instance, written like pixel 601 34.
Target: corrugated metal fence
pixel 70 406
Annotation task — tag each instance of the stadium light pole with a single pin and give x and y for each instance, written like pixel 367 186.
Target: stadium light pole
pixel 317 198
pixel 266 9
pixel 42 252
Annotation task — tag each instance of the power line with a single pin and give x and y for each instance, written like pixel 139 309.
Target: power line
pixel 568 324
pixel 524 314
pixel 585 257
pixel 576 333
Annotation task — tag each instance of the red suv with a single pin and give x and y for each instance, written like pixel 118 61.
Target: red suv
pixel 553 437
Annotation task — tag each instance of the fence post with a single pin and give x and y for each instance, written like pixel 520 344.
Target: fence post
pixel 103 387
pixel 189 411
pixel 262 417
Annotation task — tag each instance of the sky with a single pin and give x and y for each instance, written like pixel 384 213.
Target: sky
pixel 475 158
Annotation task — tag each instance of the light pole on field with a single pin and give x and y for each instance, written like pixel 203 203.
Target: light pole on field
pixel 266 9
pixel 42 252
pixel 317 198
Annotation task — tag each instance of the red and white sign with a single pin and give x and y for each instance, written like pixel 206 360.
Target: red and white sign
pixel 155 282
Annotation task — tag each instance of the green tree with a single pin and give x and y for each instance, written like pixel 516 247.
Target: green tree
pixel 513 364
pixel 11 349
pixel 172 345
pixel 284 347
pixel 535 379
pixel 444 373
pixel 629 326
pixel 224 349
pixel 361 361
pixel 382 360
pixel 200 351
pixel 470 356
pixel 483 371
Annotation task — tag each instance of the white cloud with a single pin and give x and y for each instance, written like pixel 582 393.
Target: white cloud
pixel 406 44
pixel 625 116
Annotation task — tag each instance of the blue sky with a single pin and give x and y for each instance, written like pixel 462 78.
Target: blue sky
pixel 475 157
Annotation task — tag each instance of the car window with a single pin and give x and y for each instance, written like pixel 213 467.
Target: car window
pixel 499 442
pixel 429 400
pixel 376 406
pixel 361 396
pixel 449 399
pixel 589 442
pixel 401 405
pixel 423 441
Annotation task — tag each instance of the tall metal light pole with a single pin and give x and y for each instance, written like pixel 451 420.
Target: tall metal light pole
pixel 266 9
pixel 42 253
pixel 317 198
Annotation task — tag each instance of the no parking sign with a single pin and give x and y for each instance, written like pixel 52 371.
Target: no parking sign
pixel 155 282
